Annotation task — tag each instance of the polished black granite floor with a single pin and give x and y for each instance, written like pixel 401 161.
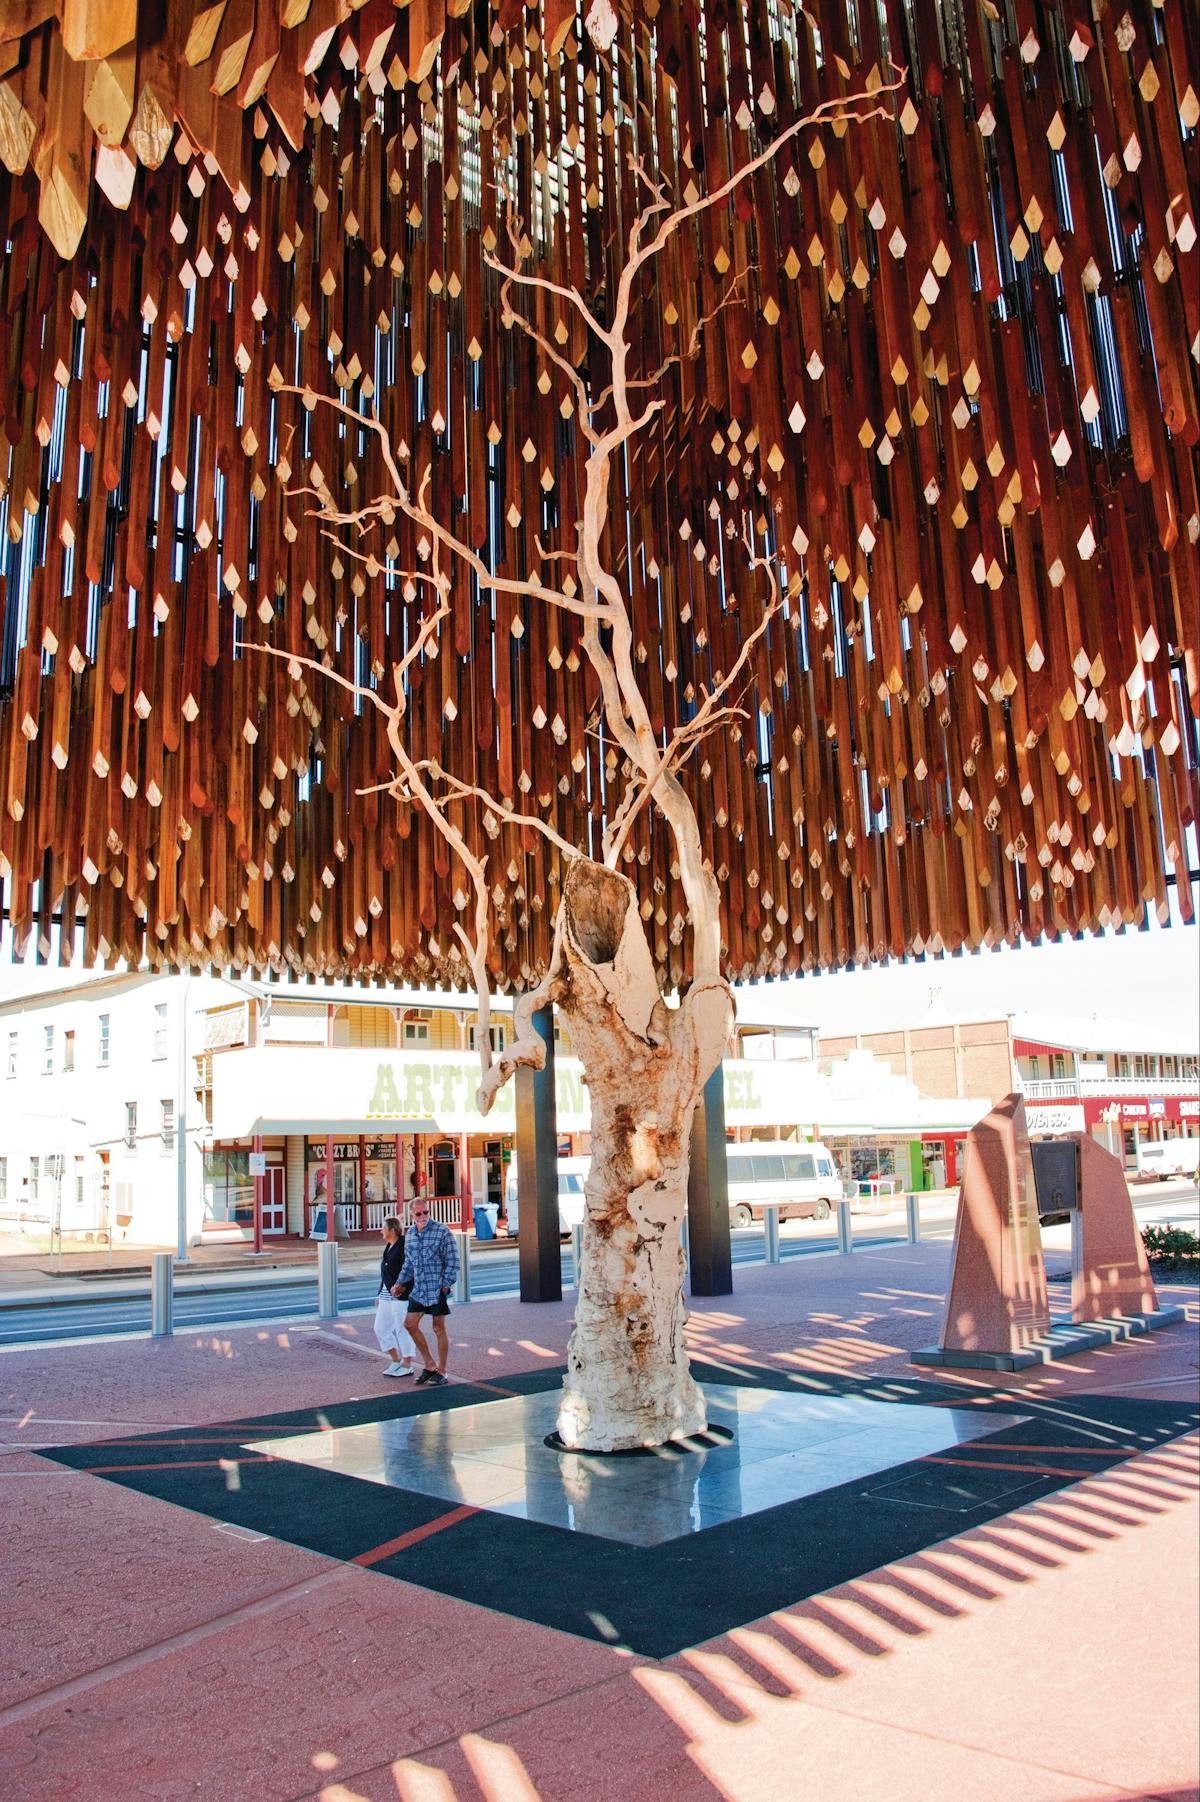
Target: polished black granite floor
pixel 671 1554
pixel 783 1446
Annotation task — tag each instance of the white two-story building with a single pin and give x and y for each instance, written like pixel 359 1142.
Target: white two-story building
pixel 288 1092
pixel 96 1086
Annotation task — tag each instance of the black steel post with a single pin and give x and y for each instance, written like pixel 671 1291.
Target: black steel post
pixel 708 1194
pixel 538 1254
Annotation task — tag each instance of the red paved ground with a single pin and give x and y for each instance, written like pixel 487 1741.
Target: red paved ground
pixel 146 1652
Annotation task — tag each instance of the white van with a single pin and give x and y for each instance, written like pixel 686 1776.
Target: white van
pixel 572 1174
pixel 1169 1157
pixel 801 1180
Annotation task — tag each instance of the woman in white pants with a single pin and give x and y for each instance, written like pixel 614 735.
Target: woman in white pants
pixel 390 1330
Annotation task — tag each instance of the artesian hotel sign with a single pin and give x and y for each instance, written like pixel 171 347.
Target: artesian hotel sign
pixel 292 1089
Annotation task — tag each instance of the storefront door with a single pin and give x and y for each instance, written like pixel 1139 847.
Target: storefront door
pixel 274 1212
pixel 345 1186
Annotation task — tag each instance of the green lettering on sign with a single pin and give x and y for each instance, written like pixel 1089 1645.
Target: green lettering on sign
pixel 418 1093
pixel 568 1091
pixel 741 1092
pixel 448 1078
pixel 385 1102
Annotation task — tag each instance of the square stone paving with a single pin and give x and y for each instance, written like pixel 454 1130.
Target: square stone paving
pixel 493 1456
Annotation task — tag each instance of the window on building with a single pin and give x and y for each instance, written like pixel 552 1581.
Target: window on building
pixel 160 1029
pixel 1122 1066
pixel 131 1125
pixel 12 1054
pixel 496 1035
pixel 35 1173
pixel 416 1031
pixel 167 1127
pixel 102 1048
pixel 228 1187
pixel 1058 1065
pixel 68 1050
pixel 47 1051
pixel 1035 1068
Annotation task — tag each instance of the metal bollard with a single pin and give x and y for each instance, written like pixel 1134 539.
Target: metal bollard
pixel 1076 1251
pixel 162 1295
pixel 576 1253
pixel 462 1286
pixel 685 1241
pixel 771 1232
pixel 845 1226
pixel 327 1279
pixel 912 1206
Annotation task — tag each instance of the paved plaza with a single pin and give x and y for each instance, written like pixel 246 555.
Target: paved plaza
pixel 241 1564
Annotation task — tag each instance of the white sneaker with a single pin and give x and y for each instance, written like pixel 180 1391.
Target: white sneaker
pixel 397 1370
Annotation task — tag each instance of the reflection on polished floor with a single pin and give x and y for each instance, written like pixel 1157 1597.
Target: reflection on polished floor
pixel 493 1457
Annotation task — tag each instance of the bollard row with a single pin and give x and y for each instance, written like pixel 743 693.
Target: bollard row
pixel 162 1276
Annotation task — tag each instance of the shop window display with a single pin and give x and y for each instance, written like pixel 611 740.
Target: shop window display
pixel 228 1189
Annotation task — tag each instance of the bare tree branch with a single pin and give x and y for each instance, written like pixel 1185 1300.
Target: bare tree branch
pixel 510 316
pixel 458 790
pixel 529 279
pixel 607 637
pixel 705 720
pixel 421 516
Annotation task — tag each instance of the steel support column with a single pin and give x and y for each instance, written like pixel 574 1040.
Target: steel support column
pixel 708 1194
pixel 538 1255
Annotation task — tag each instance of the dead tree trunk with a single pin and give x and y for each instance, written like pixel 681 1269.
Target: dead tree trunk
pixel 628 1383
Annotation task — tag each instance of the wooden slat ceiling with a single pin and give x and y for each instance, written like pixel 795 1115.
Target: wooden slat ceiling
pixel 954 382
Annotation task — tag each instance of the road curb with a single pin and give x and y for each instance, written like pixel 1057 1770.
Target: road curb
pixel 38 1299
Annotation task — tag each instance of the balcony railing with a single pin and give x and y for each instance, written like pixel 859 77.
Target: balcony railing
pixel 1063 1088
pixel 446 1208
pixel 1070 1088
pixel 1138 1085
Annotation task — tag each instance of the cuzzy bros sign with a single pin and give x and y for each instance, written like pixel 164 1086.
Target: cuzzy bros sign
pixel 294 1089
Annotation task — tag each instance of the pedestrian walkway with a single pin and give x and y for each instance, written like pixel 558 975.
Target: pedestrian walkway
pixel 1004 1609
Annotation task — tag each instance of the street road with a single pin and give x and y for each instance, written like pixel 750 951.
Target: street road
pixel 221 1301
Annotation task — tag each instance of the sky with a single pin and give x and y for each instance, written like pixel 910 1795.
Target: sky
pixel 1146 978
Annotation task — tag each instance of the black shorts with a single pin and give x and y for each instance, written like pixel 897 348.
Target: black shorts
pixel 436 1308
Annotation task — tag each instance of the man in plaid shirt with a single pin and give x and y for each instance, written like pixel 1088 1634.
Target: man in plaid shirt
pixel 426 1279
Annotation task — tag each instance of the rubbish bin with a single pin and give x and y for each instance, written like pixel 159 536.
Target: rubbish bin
pixel 485 1219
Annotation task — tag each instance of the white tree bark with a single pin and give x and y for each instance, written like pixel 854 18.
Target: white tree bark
pixel 628 1383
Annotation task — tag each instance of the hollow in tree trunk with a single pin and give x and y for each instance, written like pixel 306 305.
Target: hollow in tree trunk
pixel 628 1382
